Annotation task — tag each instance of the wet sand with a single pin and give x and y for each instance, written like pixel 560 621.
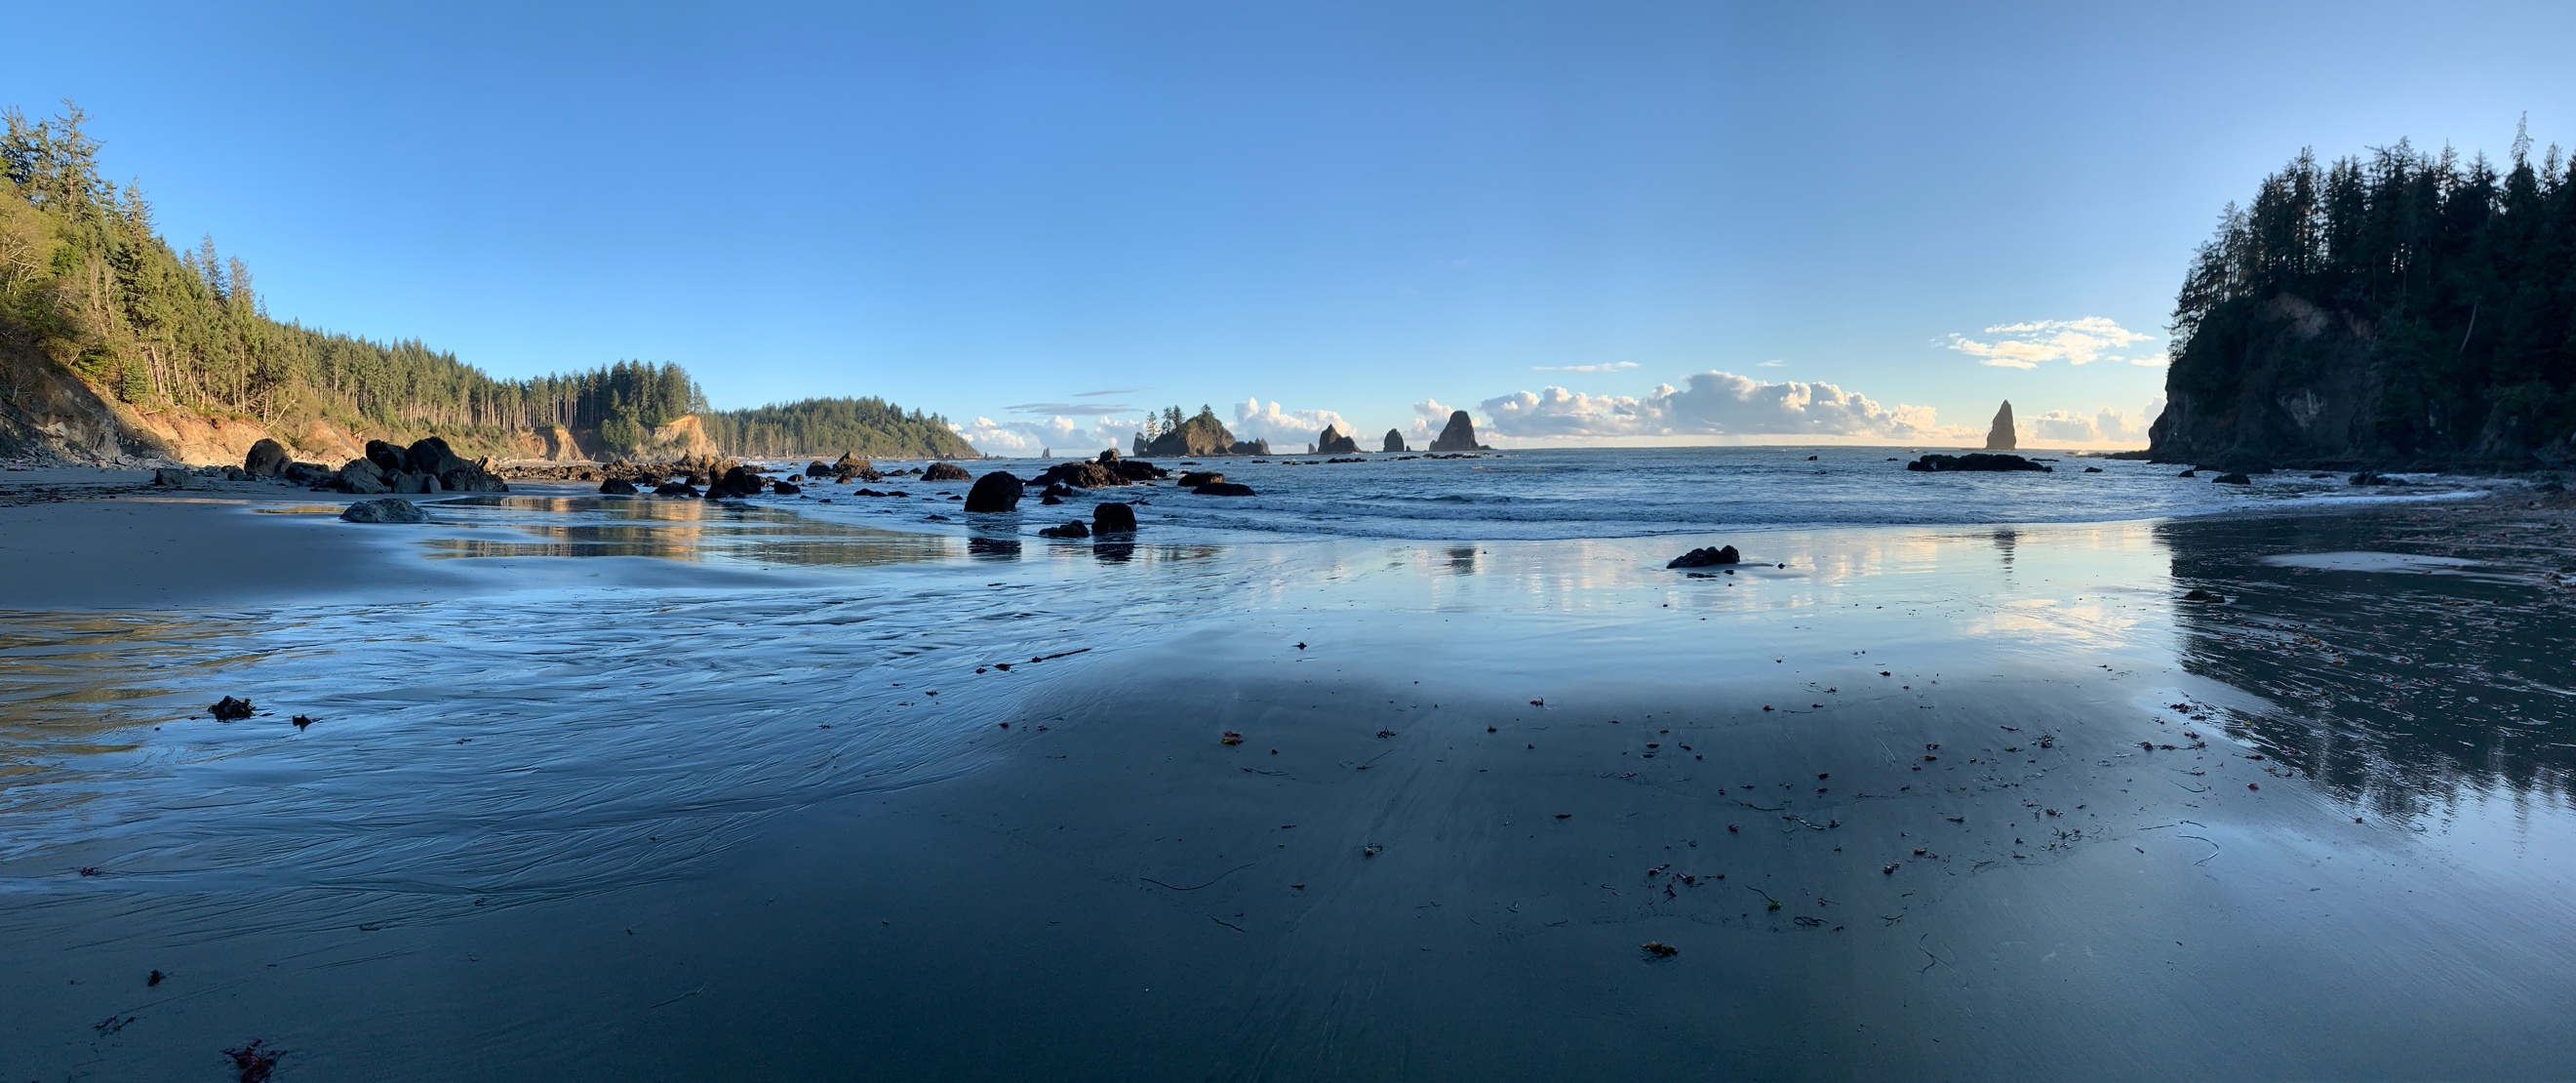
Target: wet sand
pixel 1103 889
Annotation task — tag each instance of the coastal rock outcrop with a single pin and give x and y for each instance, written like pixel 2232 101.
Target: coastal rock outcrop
pixel 1705 558
pixel 850 466
pixel 2000 437
pixel 391 509
pixel 1975 462
pixel 736 482
pixel 1333 441
pixel 172 477
pixel 266 459
pixel 675 488
pixel 617 487
pixel 996 491
pixel 1081 475
pixel 387 457
pixel 1192 479
pixel 945 472
pixel 1223 488
pixel 1113 518
pixel 1394 442
pixel 363 477
pixel 1458 435
pixel 784 487
pixel 1072 529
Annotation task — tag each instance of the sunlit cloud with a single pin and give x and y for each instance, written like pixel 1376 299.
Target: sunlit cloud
pixel 1712 404
pixel 1287 430
pixel 1064 435
pixel 2076 342
pixel 2103 427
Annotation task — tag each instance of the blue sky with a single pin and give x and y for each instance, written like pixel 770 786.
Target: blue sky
pixel 1584 223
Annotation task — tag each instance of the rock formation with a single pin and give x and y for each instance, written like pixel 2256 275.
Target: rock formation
pixel 1975 462
pixel 2000 437
pixel 1704 558
pixel 996 491
pixel 1113 518
pixel 1458 435
pixel 945 472
pixel 267 459
pixel 1394 441
pixel 1334 441
pixel 391 509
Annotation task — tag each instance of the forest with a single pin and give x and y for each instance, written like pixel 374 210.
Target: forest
pixel 88 284
pixel 2449 287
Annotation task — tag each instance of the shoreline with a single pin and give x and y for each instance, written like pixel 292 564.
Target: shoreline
pixel 539 832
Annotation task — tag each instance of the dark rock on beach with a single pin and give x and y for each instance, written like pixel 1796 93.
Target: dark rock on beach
pixel 617 487
pixel 391 509
pixel 997 491
pixel 230 709
pixel 1975 461
pixel 1194 478
pixel 2233 479
pixel 784 487
pixel 1223 488
pixel 171 477
pixel 387 457
pixel 1073 529
pixel 675 488
pixel 1081 475
pixel 267 459
pixel 1704 558
pixel 945 472
pixel 737 482
pixel 1113 518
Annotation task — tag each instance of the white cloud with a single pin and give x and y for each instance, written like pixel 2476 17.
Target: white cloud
pixel 1287 430
pixel 1614 366
pixel 1770 364
pixel 1065 435
pixel 2105 426
pixel 1714 404
pixel 2076 342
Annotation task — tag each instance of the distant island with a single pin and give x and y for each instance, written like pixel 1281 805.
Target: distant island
pixel 2404 307
pixel 115 344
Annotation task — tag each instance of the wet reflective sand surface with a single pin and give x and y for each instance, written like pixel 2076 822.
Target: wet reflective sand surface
pixel 1918 801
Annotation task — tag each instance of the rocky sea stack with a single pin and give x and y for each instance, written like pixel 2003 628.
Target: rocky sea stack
pixel 1458 435
pixel 2000 437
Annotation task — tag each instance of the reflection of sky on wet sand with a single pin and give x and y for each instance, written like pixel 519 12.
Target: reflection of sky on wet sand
pixel 575 737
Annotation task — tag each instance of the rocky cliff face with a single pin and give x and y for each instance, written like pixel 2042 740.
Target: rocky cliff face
pixel 2282 382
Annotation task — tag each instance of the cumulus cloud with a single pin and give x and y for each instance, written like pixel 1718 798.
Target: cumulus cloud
pixel 2105 426
pixel 2076 342
pixel 1067 436
pixel 1712 404
pixel 1614 366
pixel 1285 429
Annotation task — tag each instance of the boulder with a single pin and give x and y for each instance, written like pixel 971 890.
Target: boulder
pixel 784 487
pixel 945 472
pixel 425 454
pixel 1974 461
pixel 1055 489
pixel 313 474
pixel 1223 488
pixel 1458 435
pixel 1081 475
pixel 1195 478
pixel 818 469
pixel 391 509
pixel 1333 441
pixel 736 483
pixel 388 458
pixel 1073 529
pixel 851 466
pixel 1139 470
pixel 172 477
pixel 1703 558
pixel 997 491
pixel 1113 518
pixel 1050 498
pixel 617 487
pixel 1107 456
pixel 267 459
pixel 2092 470
pixel 408 482
pixel 675 488
pixel 364 477
pixel 1394 442
pixel 2233 479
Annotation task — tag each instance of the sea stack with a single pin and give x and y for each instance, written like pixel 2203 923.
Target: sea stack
pixel 2000 438
pixel 1333 441
pixel 1459 435
pixel 1394 441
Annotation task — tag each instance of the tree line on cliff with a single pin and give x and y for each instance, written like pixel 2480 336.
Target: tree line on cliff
pixel 88 285
pixel 2449 284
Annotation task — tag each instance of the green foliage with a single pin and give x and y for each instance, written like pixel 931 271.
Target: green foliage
pixel 86 283
pixel 869 427
pixel 2463 278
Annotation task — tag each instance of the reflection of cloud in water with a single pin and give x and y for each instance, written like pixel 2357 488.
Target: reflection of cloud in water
pixel 2395 688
